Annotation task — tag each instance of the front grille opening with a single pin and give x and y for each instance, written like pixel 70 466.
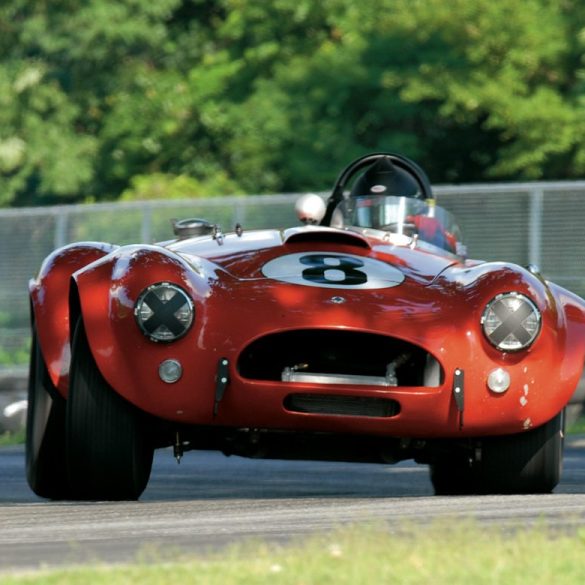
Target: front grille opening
pixel 339 357
pixel 341 405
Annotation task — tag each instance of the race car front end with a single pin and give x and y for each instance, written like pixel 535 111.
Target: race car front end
pixel 430 361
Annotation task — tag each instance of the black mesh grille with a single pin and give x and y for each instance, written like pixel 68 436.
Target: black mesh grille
pixel 341 405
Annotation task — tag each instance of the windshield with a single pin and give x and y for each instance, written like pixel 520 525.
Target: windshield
pixel 405 216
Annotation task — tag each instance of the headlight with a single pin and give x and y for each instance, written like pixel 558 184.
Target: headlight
pixel 164 312
pixel 511 321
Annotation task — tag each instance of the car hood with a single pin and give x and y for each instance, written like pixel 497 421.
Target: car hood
pixel 246 256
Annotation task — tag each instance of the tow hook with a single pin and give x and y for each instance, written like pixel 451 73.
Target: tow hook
pixel 178 448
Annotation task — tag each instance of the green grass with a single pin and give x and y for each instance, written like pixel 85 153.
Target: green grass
pixel 16 438
pixel 447 553
pixel 578 427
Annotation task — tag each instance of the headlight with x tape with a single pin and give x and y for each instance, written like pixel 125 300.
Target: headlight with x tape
pixel 164 312
pixel 511 321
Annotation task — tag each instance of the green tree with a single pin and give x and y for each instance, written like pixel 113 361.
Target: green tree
pixel 63 63
pixel 255 96
pixel 495 92
pixel 510 71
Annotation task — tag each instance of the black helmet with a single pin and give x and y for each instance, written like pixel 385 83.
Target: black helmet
pixel 386 174
pixel 385 178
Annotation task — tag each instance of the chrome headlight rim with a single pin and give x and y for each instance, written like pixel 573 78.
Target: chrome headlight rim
pixel 519 330
pixel 174 328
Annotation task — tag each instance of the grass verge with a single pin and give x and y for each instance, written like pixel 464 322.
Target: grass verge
pixel 443 553
pixel 578 427
pixel 9 438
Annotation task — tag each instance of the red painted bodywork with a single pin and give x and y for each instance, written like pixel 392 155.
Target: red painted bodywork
pixel 50 303
pixel 438 307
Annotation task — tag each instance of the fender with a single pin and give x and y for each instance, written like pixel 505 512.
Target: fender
pixel 574 355
pixel 49 293
pixel 107 292
pixel 557 354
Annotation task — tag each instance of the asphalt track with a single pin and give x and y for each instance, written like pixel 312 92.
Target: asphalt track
pixel 209 501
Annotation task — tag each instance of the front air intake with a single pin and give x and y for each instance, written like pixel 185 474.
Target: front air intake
pixel 326 357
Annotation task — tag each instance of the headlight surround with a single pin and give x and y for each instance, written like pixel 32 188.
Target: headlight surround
pixel 164 312
pixel 511 322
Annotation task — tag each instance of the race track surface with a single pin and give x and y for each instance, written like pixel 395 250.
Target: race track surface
pixel 209 501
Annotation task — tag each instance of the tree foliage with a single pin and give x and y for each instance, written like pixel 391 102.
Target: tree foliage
pixel 209 97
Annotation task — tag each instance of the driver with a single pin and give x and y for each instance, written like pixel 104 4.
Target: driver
pixel 385 178
pixel 374 203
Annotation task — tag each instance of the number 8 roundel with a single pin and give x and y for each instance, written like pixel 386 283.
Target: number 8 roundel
pixel 332 270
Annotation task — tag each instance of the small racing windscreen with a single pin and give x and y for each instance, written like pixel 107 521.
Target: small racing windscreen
pixel 405 216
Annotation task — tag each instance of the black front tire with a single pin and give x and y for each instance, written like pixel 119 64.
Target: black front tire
pixel 453 476
pixel 109 453
pixel 527 463
pixel 46 471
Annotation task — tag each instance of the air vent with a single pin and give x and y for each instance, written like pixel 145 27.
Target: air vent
pixel 341 405
pixel 325 235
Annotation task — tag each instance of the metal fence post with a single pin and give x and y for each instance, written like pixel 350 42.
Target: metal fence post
pixel 535 227
pixel 146 225
pixel 61 221
pixel 239 212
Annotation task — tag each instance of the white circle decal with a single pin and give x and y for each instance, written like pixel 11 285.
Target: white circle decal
pixel 332 270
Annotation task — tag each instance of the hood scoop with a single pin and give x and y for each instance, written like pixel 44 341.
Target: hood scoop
pixel 324 234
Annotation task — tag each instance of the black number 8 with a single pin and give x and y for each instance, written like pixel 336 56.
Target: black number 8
pixel 325 269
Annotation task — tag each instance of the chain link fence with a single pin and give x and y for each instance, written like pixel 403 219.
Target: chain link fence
pixel 538 223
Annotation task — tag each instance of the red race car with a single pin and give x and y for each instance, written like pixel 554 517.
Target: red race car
pixel 365 335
